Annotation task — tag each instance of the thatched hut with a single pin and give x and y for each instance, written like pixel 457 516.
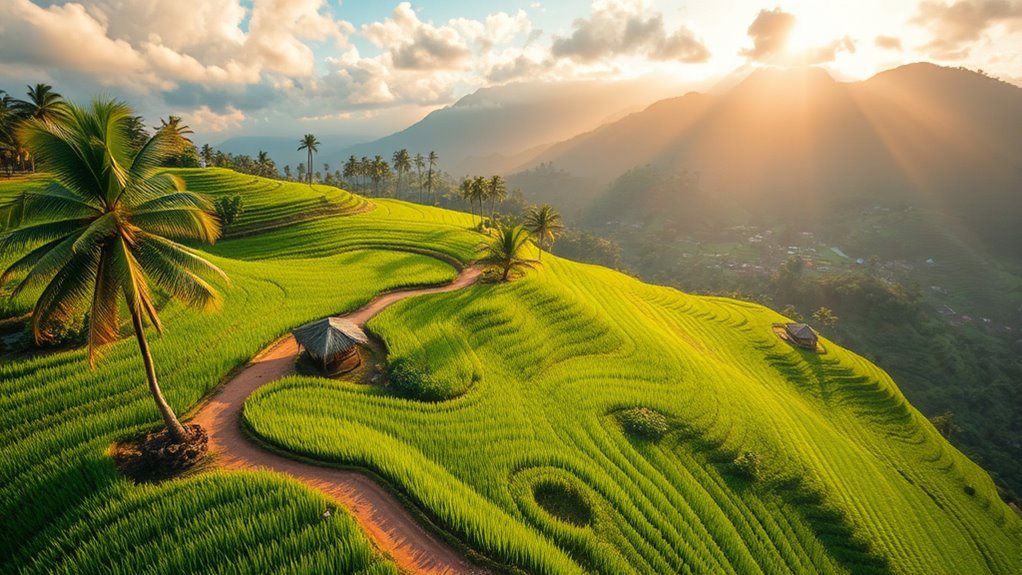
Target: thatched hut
pixel 801 335
pixel 332 342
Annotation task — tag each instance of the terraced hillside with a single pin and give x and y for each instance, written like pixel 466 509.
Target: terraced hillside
pixel 593 424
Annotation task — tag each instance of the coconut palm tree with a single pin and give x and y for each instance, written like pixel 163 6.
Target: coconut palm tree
pixel 207 154
pixel 544 223
pixel 42 103
pixel 480 191
pixel 505 251
pixel 432 159
pixel 106 230
pixel 496 191
pixel 467 192
pixel 310 144
pixel 420 164
pixel 402 165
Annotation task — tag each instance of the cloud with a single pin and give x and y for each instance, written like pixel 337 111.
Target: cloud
pixel 417 45
pixel 620 28
pixel 205 120
pixel 769 32
pixel 888 43
pixel 956 26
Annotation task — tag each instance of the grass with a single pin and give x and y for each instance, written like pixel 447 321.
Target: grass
pixel 537 373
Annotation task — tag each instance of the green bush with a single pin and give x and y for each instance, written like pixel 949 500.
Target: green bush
pixel 414 379
pixel 644 422
pixel 747 465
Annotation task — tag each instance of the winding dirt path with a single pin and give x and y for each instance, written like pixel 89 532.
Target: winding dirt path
pixel 394 529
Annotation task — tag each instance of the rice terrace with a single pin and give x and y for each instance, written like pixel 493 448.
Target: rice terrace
pixel 209 364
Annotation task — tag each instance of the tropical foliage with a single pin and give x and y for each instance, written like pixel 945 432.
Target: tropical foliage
pixel 506 251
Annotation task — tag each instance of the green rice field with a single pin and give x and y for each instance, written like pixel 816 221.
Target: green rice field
pixel 534 457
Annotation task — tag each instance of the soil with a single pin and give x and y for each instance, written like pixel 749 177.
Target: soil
pixel 156 456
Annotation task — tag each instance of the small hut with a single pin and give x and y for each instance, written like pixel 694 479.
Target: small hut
pixel 332 342
pixel 801 335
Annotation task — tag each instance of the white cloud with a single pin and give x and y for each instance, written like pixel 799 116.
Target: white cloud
pixel 621 28
pixel 205 120
pixel 957 26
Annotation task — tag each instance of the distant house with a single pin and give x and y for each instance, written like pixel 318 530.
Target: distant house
pixel 331 342
pixel 801 335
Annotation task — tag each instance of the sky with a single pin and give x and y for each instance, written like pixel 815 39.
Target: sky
pixel 370 67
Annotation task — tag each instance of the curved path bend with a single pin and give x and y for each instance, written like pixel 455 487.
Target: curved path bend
pixel 389 524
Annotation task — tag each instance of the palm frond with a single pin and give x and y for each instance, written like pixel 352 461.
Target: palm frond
pixel 104 318
pixel 68 293
pixel 63 155
pixel 179 255
pixel 31 261
pixel 179 224
pixel 13 241
pixel 133 283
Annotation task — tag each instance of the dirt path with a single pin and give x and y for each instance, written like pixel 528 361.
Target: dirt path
pixel 380 514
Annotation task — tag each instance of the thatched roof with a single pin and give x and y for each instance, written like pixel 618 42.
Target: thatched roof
pixel 326 338
pixel 801 331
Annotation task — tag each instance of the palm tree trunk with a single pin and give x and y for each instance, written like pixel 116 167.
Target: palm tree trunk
pixel 174 428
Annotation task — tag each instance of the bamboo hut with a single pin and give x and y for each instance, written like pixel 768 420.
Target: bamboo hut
pixel 801 335
pixel 331 342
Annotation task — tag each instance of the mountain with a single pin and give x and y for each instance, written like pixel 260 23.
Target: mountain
pixel 798 141
pixel 496 128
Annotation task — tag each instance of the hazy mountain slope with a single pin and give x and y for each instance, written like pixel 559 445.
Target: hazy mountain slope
pixel 507 120
pixel 799 141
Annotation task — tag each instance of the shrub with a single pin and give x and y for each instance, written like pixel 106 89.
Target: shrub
pixel 415 380
pixel 747 465
pixel 228 209
pixel 564 501
pixel 644 422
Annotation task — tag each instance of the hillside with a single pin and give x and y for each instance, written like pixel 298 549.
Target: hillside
pixel 588 423
pixel 496 128
pixel 798 143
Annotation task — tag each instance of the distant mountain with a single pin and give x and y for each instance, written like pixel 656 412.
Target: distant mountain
pixel 284 151
pixel 796 140
pixel 496 128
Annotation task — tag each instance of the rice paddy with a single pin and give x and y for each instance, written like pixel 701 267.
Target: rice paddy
pixel 526 458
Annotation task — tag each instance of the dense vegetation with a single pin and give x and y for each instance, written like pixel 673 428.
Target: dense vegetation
pixel 914 292
pixel 525 456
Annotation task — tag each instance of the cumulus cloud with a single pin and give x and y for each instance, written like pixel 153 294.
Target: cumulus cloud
pixel 204 119
pixel 956 26
pixel 417 45
pixel 620 27
pixel 888 43
pixel 769 32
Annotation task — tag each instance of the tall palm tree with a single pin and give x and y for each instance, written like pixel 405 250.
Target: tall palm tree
pixel 310 144
pixel 544 223
pixel 467 193
pixel 420 164
pixel 402 165
pixel 207 154
pixel 351 170
pixel 107 230
pixel 432 159
pixel 480 191
pixel 496 191
pixel 42 103
pixel 505 251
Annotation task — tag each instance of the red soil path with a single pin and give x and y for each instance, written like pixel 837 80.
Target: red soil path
pixel 392 527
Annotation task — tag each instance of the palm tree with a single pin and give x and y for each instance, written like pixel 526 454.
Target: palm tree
pixel 480 191
pixel 467 194
pixel 432 159
pixel 544 223
pixel 496 190
pixel 106 228
pixel 505 251
pixel 42 104
pixel 310 144
pixel 402 165
pixel 420 163
pixel 207 155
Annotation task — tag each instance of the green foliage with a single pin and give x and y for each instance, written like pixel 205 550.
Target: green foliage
pixel 858 480
pixel 644 422
pixel 414 379
pixel 228 209
pixel 747 464
pixel 563 500
pixel 825 316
